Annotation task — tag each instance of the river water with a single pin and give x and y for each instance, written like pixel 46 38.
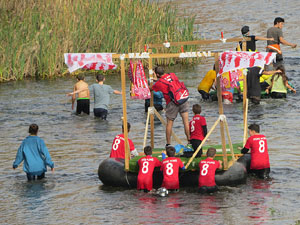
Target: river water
pixel 77 144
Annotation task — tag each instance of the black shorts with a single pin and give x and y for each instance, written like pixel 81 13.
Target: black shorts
pixel 262 174
pixel 205 189
pixel 195 144
pixel 204 95
pixel 33 177
pixel 278 95
pixel 83 105
pixel 101 113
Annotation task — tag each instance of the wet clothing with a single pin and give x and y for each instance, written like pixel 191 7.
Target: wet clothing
pixel 250 45
pixel 259 152
pixel 172 109
pixel 34 177
pixel 206 83
pixel 276 33
pixel 253 84
pixel 170 167
pixel 101 113
pixel 207 172
pixel 205 189
pixel 83 105
pixel 157 101
pixel 35 155
pixel 101 98
pixel 118 147
pixel 146 168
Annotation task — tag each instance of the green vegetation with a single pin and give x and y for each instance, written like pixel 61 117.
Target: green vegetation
pixel 35 34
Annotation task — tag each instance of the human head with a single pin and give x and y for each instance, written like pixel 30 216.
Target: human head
pixel 100 77
pixel 159 71
pixel 196 109
pixel 170 151
pixel 128 127
pixel 278 20
pixel 211 152
pixel 148 150
pixel 253 129
pixel 245 30
pixel 33 129
pixel 281 68
pixel 80 77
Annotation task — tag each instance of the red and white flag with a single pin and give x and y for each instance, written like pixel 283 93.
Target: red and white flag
pixel 91 61
pixel 231 60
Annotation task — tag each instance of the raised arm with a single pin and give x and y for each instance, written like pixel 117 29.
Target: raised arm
pixel 263 38
pixel 284 42
pixel 117 92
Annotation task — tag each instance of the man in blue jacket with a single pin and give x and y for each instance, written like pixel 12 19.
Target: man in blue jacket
pixel 35 155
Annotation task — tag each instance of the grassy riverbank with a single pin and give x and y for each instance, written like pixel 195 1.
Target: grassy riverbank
pixel 35 34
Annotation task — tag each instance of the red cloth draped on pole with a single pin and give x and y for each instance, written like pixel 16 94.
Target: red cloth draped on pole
pixel 231 63
pixel 139 88
pixel 90 61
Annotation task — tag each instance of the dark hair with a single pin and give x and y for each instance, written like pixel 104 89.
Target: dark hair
pixel 159 70
pixel 80 77
pixel 99 77
pixel 148 150
pixel 254 127
pixel 278 20
pixel 277 75
pixel 196 109
pixel 33 129
pixel 128 127
pixel 170 151
pixel 211 152
pixel 245 30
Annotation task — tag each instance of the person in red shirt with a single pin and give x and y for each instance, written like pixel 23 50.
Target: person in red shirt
pixel 171 109
pixel 146 168
pixel 208 167
pixel 118 146
pixel 198 129
pixel 260 164
pixel 170 167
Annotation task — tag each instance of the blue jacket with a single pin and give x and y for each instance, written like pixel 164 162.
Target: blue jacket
pixel 35 155
pixel 157 98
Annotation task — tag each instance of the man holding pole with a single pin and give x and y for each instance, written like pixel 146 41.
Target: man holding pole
pixel 164 84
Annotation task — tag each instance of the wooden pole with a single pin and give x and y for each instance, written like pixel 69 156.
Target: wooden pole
pixel 123 82
pixel 229 142
pixel 151 100
pixel 221 112
pixel 245 106
pixel 202 143
pixel 146 130
pixel 164 123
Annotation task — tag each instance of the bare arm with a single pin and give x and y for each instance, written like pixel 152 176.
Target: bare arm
pixel 75 92
pixel 73 98
pixel 284 42
pixel 289 87
pixel 117 92
pixel 263 38
pixel 220 167
pixel 271 72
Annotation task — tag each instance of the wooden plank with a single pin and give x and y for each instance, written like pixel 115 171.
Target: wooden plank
pixel 160 55
pixel 151 102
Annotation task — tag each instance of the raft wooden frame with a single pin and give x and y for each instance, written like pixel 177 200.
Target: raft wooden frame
pixel 149 55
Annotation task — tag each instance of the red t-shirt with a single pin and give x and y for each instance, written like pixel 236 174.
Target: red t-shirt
pixel 196 129
pixel 208 169
pixel 146 167
pixel 160 86
pixel 170 167
pixel 259 152
pixel 118 147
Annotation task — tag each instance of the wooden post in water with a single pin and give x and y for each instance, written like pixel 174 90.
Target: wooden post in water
pixel 151 100
pixel 245 99
pixel 221 112
pixel 123 84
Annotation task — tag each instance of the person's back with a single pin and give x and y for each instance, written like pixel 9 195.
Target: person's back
pixel 35 155
pixel 83 99
pixel 259 152
pixel 170 167
pixel 118 145
pixel 146 168
pixel 207 170
pixel 207 83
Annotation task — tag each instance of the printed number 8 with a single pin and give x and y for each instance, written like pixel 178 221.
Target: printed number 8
pixel 145 167
pixel 169 169
pixel 204 170
pixel 116 144
pixel 261 148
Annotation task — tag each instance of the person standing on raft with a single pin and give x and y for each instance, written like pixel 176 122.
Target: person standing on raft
pixel 146 168
pixel 257 142
pixel 35 155
pixel 118 146
pixel 173 108
pixel 208 167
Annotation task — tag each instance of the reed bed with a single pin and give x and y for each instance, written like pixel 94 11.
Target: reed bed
pixel 35 34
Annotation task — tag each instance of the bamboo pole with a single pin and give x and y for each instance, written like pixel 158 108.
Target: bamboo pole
pixel 164 123
pixel 151 100
pixel 202 143
pixel 146 130
pixel 123 81
pixel 245 107
pixel 221 112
